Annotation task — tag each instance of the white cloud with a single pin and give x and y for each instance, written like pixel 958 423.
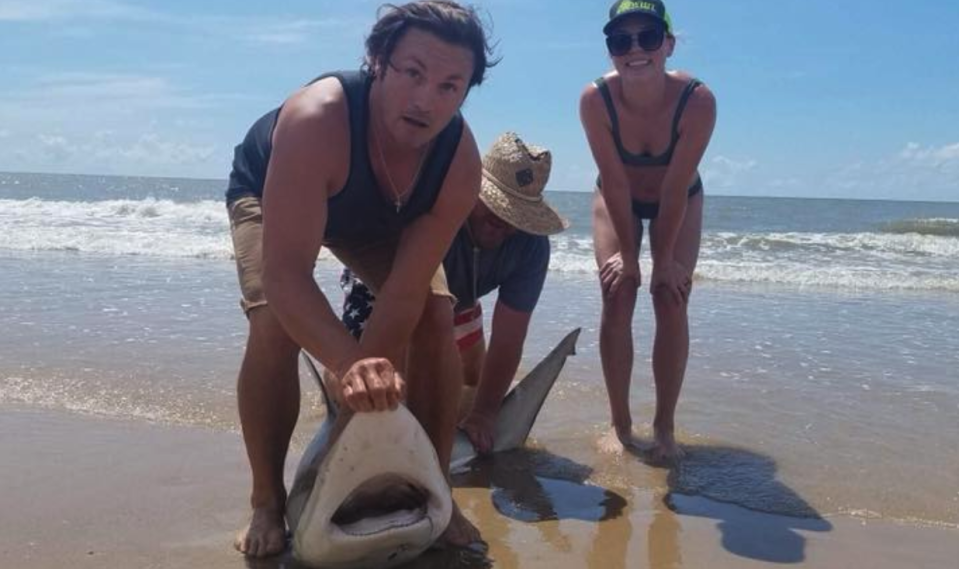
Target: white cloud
pixel 735 166
pixel 931 156
pixel 106 149
pixel 93 101
pixel 55 147
pixel 89 122
pixel 132 90
pixel 152 148
pixel 787 184
pixel 60 10
pixel 291 32
pixel 4 133
pixel 915 172
pixel 251 29
pixel 727 173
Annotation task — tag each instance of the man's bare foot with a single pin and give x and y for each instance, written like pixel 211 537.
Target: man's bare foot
pixel 461 532
pixel 617 441
pixel 265 536
pixel 665 449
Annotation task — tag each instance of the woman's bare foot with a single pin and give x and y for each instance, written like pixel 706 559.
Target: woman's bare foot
pixel 461 532
pixel 264 536
pixel 665 449
pixel 617 441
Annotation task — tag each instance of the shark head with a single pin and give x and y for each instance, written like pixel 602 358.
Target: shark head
pixel 369 493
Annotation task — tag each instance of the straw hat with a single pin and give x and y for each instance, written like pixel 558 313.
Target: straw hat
pixel 514 176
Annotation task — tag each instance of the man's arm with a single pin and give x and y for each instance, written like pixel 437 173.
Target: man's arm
pixel 518 297
pixel 422 247
pixel 308 150
pixel 505 351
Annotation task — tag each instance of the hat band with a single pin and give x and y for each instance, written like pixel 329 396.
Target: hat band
pixel 510 191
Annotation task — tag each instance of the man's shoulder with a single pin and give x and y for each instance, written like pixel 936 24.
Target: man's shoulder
pixel 322 100
pixel 315 121
pixel 522 254
pixel 523 262
pixel 527 245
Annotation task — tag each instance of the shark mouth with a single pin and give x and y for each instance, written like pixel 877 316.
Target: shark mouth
pixel 382 503
pixel 369 493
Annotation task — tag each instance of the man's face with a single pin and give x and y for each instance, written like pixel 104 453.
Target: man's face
pixel 424 83
pixel 488 230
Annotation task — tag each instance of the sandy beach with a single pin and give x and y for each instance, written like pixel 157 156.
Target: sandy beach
pixel 84 491
pixel 819 412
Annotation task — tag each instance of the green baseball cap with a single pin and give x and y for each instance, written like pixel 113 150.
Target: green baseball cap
pixel 654 9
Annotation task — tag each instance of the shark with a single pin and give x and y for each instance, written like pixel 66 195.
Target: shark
pixel 369 490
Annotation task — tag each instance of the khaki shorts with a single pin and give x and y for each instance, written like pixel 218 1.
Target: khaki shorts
pixel 372 262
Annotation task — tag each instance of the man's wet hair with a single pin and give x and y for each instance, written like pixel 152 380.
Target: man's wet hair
pixel 452 22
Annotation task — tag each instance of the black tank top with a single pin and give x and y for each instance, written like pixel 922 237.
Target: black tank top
pixel 359 213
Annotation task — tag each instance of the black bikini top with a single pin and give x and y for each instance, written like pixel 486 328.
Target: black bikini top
pixel 645 159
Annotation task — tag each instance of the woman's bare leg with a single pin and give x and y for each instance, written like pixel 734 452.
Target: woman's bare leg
pixel 671 345
pixel 616 328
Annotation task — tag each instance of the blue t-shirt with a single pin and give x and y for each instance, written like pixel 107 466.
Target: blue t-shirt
pixel 517 268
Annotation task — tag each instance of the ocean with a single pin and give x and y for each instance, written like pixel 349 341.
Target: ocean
pixel 822 379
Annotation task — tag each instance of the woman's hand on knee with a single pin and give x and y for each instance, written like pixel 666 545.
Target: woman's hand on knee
pixel 617 272
pixel 673 280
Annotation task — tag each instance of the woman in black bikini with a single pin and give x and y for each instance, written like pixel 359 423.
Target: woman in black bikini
pixel 647 129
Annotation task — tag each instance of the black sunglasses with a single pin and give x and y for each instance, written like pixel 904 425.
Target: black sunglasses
pixel 650 39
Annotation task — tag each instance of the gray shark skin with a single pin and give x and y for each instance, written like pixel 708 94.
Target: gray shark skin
pixel 369 490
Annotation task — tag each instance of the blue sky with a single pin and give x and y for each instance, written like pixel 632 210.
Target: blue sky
pixel 817 98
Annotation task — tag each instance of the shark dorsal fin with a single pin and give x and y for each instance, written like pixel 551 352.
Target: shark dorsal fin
pixel 523 403
pixel 330 403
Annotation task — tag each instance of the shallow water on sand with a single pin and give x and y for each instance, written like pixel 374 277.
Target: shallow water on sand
pixel 802 401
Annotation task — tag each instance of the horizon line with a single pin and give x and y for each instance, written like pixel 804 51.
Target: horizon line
pixel 725 195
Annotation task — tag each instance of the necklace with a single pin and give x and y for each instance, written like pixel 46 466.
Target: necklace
pixel 397 195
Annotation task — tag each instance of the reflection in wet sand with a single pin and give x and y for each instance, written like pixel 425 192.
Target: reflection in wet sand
pixel 538 490
pixel 610 544
pixel 536 486
pixel 537 509
pixel 662 539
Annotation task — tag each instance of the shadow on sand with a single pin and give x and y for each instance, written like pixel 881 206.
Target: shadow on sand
pixel 757 514
pixel 526 485
pixel 531 486
pixel 433 559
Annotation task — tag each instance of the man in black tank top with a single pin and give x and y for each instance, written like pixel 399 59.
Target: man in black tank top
pixel 379 167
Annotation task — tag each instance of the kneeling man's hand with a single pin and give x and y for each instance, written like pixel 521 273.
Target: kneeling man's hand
pixel 372 384
pixel 480 429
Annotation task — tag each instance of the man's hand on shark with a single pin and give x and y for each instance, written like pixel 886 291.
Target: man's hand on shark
pixel 480 429
pixel 372 384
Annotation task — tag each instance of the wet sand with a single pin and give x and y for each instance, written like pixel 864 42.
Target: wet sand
pixel 84 491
